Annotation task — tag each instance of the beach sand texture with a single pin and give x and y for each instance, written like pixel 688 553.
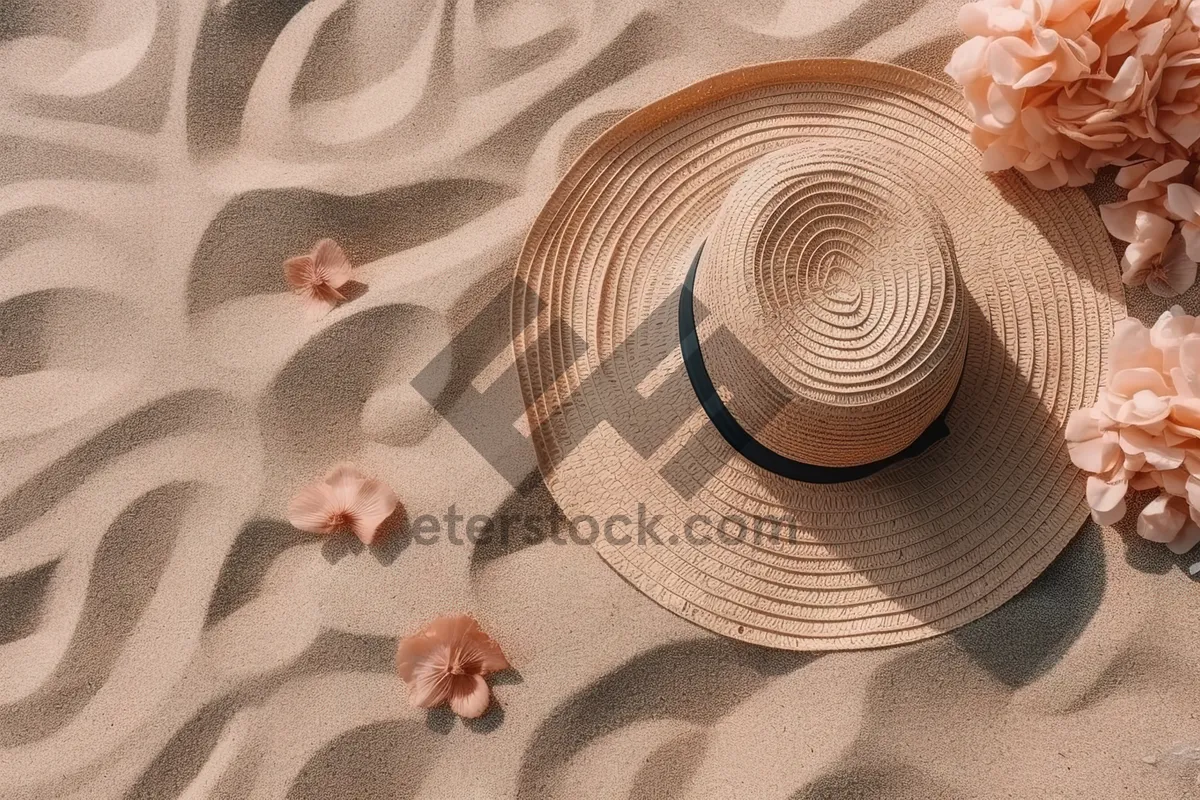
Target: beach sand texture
pixel 164 632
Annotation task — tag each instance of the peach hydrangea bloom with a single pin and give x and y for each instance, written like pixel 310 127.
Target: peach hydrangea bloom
pixel 447 662
pixel 1058 88
pixel 317 276
pixel 1157 254
pixel 346 499
pixel 1144 430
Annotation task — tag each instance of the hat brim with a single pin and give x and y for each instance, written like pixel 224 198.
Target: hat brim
pixel 921 547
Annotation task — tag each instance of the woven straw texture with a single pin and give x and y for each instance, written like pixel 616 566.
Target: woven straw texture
pixel 852 276
pixel 840 285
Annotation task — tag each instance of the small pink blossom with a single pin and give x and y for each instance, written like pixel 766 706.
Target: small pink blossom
pixel 1144 430
pixel 447 662
pixel 316 277
pixel 1158 254
pixel 345 500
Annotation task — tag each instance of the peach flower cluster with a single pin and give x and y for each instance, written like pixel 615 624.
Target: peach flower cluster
pixel 1144 430
pixel 447 663
pixel 1160 218
pixel 347 499
pixel 1060 88
pixel 317 276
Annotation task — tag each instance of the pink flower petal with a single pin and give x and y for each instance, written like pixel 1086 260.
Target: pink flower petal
pixel 1151 234
pixel 300 272
pixel 1165 172
pixel 1185 411
pixel 1129 382
pixel 317 276
pixel 1162 519
pixel 1193 15
pixel 1192 462
pixel 1036 77
pixel 1158 454
pixel 1004 103
pixel 1153 229
pixel 430 685
pixel 328 294
pixel 447 661
pixel 1150 38
pixel 1096 456
pixel 1177 273
pixel 1120 219
pixel 470 696
pixel 367 502
pixel 1008 59
pixel 1187 385
pixel 1104 496
pixel 967 61
pixel 1183 201
pixel 1178 436
pixel 1126 81
pixel 1107 9
pixel 331 262
pixel 475 645
pixel 345 497
pixel 999 157
pixel 1058 10
pixel 373 503
pixel 487 654
pixel 1134 174
pixel 1136 9
pixel 415 651
pixel 1192 488
pixel 1174 481
pixel 1191 240
pixel 1110 517
pixel 973 20
pixel 1168 333
pixel 1183 128
pixel 313 509
pixel 1121 44
pixel 344 480
pixel 1047 177
pixel 1034 122
pixel 1045 42
pixel 452 628
pixel 1145 409
pixel 1001 19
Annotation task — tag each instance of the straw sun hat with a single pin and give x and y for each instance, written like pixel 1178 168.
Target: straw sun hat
pixel 784 313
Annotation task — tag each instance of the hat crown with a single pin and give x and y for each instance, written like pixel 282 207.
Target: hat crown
pixel 838 283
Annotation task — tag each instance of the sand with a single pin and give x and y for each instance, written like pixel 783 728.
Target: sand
pixel 166 633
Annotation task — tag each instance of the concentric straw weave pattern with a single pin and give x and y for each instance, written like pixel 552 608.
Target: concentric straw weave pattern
pixel 841 284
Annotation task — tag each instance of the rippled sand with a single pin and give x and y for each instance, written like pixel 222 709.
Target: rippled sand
pixel 164 632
